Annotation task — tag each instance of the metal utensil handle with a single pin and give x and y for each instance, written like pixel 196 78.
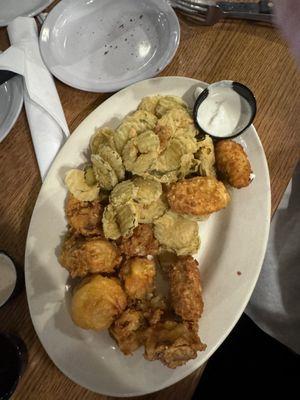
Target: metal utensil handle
pixel 6 75
pixel 264 6
pixel 248 16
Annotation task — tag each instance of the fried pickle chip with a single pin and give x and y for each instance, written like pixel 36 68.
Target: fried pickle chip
pixel 77 185
pixel 110 225
pixel 102 136
pixel 113 158
pixel 139 153
pixel 82 256
pixel 177 233
pixel 138 276
pixel 148 190
pixel 125 132
pixel 206 157
pixel 127 218
pixel 176 120
pixel 167 103
pixel 104 173
pixel 146 118
pixel 150 212
pixel 97 302
pixel 149 103
pixel 188 165
pixel 132 126
pixel 198 196
pixel 120 220
pixel 89 176
pixel 123 192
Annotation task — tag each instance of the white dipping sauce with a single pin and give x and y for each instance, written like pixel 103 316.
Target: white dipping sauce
pixel 224 112
pixel 8 278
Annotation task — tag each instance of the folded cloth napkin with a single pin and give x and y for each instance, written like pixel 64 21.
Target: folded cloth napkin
pixel 46 118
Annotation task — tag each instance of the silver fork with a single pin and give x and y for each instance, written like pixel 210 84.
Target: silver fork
pixel 209 14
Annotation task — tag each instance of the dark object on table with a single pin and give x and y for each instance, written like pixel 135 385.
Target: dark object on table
pixel 14 287
pixel 248 363
pixel 6 76
pixel 13 361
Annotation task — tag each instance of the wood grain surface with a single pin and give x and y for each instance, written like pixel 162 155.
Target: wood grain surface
pixel 250 53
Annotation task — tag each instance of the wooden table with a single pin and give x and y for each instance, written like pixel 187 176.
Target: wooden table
pixel 252 54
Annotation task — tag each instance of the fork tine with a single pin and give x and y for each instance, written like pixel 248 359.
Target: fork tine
pixel 187 9
pixel 203 8
pixel 196 18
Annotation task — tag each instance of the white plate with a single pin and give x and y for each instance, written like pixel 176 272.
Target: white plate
pixel 232 240
pixel 11 101
pixel 105 45
pixel 10 9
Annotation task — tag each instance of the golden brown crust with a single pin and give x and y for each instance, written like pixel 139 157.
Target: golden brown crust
pixel 198 196
pixel 138 276
pixel 84 217
pixel 185 289
pixel 82 256
pixel 127 330
pixel 97 302
pixel 141 244
pixel 173 343
pixel 232 163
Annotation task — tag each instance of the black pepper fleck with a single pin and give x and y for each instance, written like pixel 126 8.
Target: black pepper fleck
pixel 121 26
pixel 141 16
pixel 130 20
pixel 106 53
pixel 125 39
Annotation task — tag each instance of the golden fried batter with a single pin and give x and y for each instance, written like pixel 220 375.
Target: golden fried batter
pixel 185 288
pixel 138 275
pixel 154 309
pixel 232 163
pixel 142 243
pixel 127 330
pixel 81 256
pixel 198 196
pixel 173 343
pixel 97 302
pixel 84 217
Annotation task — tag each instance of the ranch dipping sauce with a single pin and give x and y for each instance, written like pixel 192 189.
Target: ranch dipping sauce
pixel 8 278
pixel 224 109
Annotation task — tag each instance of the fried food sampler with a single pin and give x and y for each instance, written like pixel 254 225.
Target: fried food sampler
pixel 138 276
pixel 81 256
pixel 97 302
pixel 232 163
pixel 127 330
pixel 141 243
pixel 84 217
pixel 173 343
pixel 185 288
pixel 198 196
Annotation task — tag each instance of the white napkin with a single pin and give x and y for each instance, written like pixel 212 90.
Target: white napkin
pixel 275 302
pixel 46 118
